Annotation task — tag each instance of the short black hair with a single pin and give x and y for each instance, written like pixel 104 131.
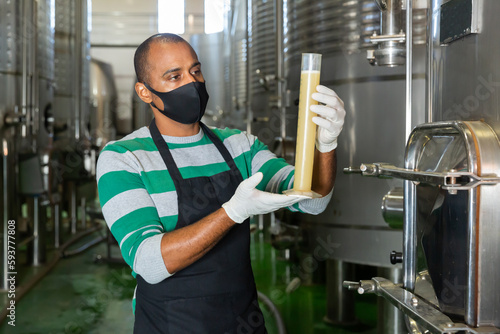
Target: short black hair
pixel 141 64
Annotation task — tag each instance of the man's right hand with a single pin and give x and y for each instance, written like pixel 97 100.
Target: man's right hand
pixel 248 201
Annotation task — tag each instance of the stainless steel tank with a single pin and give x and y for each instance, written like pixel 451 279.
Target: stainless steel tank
pixel 374 126
pixel 340 30
pixel 236 60
pixel 352 229
pixel 75 157
pixel 265 115
pixel 211 52
pixel 141 112
pixel 72 65
pixel 26 75
pixel 452 170
pixel 103 103
pixel 224 59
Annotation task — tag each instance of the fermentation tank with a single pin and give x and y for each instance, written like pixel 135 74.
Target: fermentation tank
pixel 141 112
pixel 27 79
pixel 374 98
pixel 224 57
pixel 43 64
pixel 103 103
pixel 72 62
pixel 263 34
pixel 211 51
pixel 451 248
pixel 76 156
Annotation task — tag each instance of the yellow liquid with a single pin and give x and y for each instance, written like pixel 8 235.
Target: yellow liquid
pixel 306 132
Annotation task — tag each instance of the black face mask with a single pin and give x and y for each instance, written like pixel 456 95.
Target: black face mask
pixel 185 104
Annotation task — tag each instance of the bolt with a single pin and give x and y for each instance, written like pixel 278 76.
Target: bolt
pixel 449 325
pixel 361 290
pixel 414 301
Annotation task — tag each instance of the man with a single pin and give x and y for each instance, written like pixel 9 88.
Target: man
pixel 177 197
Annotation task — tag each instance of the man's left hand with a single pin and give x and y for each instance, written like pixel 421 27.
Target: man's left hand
pixel 330 118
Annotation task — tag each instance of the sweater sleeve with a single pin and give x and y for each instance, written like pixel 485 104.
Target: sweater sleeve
pixel 130 212
pixel 279 176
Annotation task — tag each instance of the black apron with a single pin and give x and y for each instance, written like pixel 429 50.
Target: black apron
pixel 217 293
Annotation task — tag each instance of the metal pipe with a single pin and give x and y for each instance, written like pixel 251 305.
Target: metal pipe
pixel 280 69
pixel 57 224
pixel 409 236
pixel 83 212
pixel 26 241
pixel 73 208
pixel 410 223
pixel 83 248
pixel 390 20
pixel 429 62
pixel 34 110
pixel 249 76
pixel 78 67
pixel 472 295
pixel 409 66
pixel 24 70
pixel 36 231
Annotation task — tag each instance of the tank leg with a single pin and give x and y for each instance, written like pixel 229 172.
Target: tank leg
pixel 390 319
pixel 83 212
pixel 37 245
pixel 73 208
pixel 339 301
pixel 57 225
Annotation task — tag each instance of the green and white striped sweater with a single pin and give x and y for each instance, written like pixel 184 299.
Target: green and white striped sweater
pixel 138 197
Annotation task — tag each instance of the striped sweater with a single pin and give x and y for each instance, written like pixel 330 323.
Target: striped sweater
pixel 138 197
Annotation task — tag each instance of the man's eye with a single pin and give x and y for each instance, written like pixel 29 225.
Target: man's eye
pixel 174 77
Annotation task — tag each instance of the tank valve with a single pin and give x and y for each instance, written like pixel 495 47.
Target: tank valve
pixel 14 119
pixel 390 49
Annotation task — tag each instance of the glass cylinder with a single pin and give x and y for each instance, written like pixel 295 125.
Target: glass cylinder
pixel 306 129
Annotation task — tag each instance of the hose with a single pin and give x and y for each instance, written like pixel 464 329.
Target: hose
pixel 274 311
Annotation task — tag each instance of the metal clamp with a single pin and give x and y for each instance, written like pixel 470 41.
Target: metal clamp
pixel 424 313
pixel 398 38
pixel 451 180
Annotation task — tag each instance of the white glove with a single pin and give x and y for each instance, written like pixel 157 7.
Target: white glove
pixel 330 118
pixel 248 201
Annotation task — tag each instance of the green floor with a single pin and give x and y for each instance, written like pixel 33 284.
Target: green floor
pixel 81 296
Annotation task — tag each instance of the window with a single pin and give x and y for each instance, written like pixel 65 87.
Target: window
pixel 214 15
pixel 171 16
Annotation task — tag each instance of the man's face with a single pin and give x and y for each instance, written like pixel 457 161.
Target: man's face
pixel 172 65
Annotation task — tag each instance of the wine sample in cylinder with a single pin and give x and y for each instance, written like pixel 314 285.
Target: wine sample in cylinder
pixel 306 129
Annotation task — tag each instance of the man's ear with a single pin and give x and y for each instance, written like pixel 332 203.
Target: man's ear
pixel 143 93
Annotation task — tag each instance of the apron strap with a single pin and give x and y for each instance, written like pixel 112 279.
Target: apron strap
pixel 162 146
pixel 223 151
